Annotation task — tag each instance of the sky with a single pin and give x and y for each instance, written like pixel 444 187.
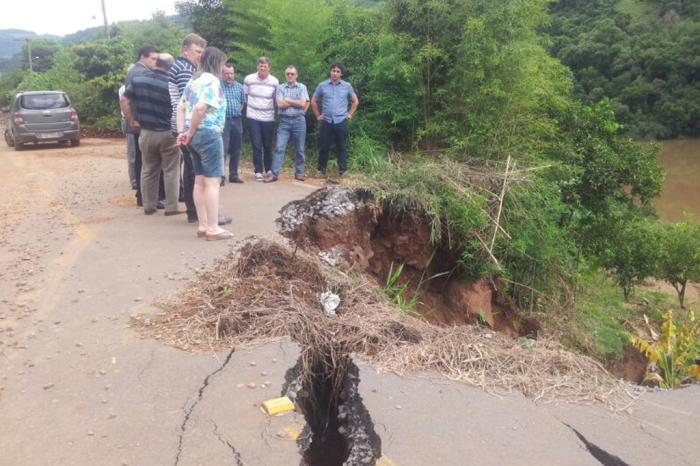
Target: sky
pixel 61 17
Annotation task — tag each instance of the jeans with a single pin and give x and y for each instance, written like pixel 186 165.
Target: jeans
pixel 233 137
pixel 333 132
pixel 261 133
pixel 137 164
pixel 207 151
pixel 290 129
pixel 130 154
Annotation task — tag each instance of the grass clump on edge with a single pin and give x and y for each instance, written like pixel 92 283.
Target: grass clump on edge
pixel 503 220
pixel 266 291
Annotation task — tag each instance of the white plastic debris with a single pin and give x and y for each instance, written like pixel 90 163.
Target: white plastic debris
pixel 330 302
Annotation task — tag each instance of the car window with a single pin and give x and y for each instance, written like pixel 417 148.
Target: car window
pixel 44 101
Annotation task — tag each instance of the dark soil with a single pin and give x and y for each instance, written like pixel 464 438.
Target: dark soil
pixel 339 430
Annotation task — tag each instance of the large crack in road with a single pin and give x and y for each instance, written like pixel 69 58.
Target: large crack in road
pixel 200 395
pixel 598 453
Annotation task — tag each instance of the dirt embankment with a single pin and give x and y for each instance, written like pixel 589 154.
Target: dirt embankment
pixel 396 248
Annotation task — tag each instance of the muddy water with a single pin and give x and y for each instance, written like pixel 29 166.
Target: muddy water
pixel 681 191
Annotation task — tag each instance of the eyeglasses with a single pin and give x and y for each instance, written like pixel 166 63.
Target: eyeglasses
pixel 290 74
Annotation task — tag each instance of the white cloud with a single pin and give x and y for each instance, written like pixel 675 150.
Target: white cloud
pixel 61 17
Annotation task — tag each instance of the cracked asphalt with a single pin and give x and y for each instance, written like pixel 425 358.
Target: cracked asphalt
pixel 78 387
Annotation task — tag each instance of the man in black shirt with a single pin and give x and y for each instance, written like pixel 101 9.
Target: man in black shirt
pixel 150 111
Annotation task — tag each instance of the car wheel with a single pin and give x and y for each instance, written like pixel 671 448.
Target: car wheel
pixel 9 139
pixel 75 142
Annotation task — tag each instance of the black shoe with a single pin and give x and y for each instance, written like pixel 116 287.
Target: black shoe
pixel 175 212
pixel 192 218
pixel 149 211
pixel 160 205
pixel 234 179
pixel 225 220
pixel 299 177
pixel 223 181
pixel 271 179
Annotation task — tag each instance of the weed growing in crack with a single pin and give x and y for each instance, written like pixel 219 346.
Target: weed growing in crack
pixel 398 289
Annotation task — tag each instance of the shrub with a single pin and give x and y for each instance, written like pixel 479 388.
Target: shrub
pixel 675 353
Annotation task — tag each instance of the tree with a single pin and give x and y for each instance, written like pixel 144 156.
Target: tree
pixel 209 19
pixel 680 258
pixel 159 31
pixel 42 54
pixel 634 253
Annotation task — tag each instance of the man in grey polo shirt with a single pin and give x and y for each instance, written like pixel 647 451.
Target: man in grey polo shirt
pixel 334 95
pixel 292 102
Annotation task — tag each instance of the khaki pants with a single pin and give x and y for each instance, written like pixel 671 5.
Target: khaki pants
pixel 159 152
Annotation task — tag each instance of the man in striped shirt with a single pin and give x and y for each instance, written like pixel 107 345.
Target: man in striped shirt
pixel 150 111
pixel 260 91
pixel 180 74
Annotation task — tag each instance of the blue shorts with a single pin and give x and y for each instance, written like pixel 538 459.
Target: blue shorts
pixel 207 150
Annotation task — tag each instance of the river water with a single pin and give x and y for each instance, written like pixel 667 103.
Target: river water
pixel 681 191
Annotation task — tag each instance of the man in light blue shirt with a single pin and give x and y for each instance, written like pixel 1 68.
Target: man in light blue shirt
pixel 334 95
pixel 292 104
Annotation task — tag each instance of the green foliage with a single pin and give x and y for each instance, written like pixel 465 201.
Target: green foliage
pixel 400 291
pixel 61 76
pixel 159 31
pixel 599 323
pixel 9 81
pixel 209 19
pixel 680 255
pixel 103 66
pixel 42 54
pixel 675 352
pixel 640 54
pixel 633 252
pixel 367 155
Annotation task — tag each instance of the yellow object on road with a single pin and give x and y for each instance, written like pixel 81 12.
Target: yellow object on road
pixel 278 405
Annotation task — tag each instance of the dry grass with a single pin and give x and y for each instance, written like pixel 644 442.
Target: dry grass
pixel 266 291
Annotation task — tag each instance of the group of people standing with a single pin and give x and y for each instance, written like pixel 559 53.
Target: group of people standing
pixel 189 111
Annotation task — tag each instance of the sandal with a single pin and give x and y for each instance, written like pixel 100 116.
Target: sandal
pixel 223 234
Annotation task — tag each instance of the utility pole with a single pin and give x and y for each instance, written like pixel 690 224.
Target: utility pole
pixel 104 16
pixel 29 54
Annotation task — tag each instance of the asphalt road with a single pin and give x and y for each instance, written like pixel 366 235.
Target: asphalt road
pixel 79 387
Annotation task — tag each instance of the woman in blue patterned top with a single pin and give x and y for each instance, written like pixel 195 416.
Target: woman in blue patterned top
pixel 200 121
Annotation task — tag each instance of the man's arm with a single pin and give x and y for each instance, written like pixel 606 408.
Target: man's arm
pixel 314 107
pixel 125 105
pixel 353 105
